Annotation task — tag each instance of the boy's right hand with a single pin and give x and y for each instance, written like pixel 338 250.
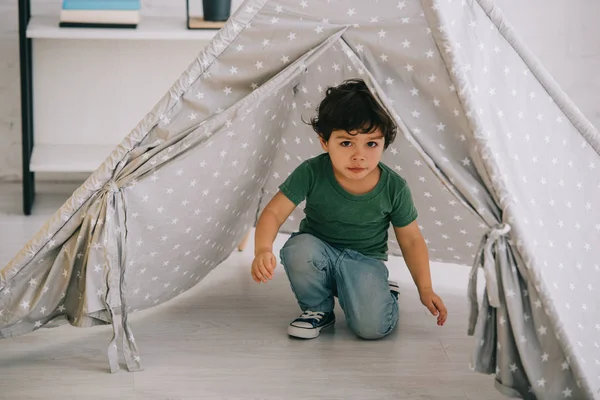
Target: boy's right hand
pixel 263 266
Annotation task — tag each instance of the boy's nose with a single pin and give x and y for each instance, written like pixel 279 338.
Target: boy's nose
pixel 358 155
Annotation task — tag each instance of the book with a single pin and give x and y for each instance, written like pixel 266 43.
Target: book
pixel 95 25
pixel 101 5
pixel 101 16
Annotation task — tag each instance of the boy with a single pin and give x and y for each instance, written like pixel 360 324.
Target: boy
pixel 351 198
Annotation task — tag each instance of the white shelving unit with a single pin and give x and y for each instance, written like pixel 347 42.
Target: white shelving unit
pixel 150 28
pixel 85 89
pixel 92 85
pixel 68 157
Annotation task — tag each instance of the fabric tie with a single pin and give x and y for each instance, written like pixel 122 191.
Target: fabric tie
pixel 485 259
pixel 116 239
pixel 112 186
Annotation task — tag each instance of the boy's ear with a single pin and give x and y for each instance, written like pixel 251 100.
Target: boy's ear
pixel 323 144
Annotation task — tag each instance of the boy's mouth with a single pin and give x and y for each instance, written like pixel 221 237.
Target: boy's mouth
pixel 356 169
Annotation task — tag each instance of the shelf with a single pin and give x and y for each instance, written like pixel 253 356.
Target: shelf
pixel 69 157
pixel 149 28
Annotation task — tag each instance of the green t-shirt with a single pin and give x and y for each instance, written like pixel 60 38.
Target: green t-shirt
pixel 345 220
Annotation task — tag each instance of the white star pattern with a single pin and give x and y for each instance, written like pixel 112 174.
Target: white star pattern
pixel 533 175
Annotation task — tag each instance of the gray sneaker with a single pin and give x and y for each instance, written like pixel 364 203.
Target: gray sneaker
pixel 310 323
pixel 394 289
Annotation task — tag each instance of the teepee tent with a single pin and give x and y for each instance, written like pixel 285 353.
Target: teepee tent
pixel 502 166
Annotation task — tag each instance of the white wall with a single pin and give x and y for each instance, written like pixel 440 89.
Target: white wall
pixel 10 123
pixel 564 34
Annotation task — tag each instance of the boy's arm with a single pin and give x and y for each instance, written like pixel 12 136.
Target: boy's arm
pixel 273 216
pixel 414 250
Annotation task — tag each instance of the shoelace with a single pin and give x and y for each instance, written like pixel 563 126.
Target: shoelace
pixel 318 315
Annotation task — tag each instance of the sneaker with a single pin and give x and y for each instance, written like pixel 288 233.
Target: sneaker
pixel 394 289
pixel 310 324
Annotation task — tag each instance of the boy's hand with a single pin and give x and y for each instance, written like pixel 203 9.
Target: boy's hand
pixel 434 304
pixel 263 266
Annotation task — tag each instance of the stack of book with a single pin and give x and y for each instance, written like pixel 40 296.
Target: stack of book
pixel 100 13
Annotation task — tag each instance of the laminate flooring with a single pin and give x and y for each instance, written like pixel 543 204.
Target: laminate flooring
pixel 226 339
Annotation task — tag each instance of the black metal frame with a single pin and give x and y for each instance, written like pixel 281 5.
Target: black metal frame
pixel 187 14
pixel 26 106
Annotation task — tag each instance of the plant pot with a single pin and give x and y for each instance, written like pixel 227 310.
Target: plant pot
pixel 216 10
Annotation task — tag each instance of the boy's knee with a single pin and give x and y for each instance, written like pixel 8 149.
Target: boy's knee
pixel 372 326
pixel 302 250
pixel 367 331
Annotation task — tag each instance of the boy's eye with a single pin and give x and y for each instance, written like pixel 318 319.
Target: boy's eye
pixel 347 143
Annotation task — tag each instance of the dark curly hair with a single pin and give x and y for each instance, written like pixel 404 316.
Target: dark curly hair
pixel 351 106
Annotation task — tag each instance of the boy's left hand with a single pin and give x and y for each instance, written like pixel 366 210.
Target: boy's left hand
pixel 434 304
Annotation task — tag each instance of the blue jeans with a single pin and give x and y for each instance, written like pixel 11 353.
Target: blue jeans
pixel 318 272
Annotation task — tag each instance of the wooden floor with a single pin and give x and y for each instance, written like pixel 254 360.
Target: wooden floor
pixel 226 339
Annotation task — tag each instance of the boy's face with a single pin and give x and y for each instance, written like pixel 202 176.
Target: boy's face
pixel 354 156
